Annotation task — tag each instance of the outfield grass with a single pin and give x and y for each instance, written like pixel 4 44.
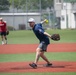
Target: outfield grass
pixel 59 56
pixel 28 37
pixel 56 73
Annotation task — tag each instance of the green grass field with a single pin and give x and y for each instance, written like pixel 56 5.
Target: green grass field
pixel 27 37
pixel 59 56
pixel 63 73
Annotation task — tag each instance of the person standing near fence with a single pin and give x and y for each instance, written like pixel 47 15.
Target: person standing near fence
pixel 3 30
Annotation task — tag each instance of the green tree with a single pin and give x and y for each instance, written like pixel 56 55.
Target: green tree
pixel 44 4
pixel 16 3
pixel 31 4
pixel 72 1
pixel 47 3
pixel 4 5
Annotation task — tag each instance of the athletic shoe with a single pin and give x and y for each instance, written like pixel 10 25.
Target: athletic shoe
pixel 33 65
pixel 2 43
pixel 6 42
pixel 48 65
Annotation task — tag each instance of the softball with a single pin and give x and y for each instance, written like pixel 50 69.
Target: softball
pixel 46 21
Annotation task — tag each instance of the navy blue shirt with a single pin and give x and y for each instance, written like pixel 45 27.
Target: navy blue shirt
pixel 39 32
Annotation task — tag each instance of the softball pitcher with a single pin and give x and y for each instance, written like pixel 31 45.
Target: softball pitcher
pixel 43 42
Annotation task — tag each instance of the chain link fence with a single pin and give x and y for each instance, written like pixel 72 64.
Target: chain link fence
pixel 17 13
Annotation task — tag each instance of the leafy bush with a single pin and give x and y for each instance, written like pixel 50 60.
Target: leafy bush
pixel 11 28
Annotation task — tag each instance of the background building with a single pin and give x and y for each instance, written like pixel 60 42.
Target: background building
pixel 66 13
pixel 19 20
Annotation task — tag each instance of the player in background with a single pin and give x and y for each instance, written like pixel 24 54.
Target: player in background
pixel 3 30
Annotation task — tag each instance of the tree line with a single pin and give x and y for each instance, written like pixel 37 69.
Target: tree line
pixel 28 4
pixel 23 4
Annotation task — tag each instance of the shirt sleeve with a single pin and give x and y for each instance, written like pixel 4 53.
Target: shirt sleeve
pixel 40 29
pixel 40 24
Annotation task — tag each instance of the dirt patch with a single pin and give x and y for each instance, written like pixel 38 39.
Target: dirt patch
pixel 58 66
pixel 28 48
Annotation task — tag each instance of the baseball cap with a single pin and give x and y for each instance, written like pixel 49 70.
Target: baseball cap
pixel 31 20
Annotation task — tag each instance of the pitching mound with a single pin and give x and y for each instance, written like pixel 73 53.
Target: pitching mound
pixel 58 66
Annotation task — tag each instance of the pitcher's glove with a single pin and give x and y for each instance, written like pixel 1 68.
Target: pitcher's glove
pixel 7 32
pixel 55 37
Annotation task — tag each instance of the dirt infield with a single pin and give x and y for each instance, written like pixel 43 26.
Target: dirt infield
pixel 58 66
pixel 28 48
